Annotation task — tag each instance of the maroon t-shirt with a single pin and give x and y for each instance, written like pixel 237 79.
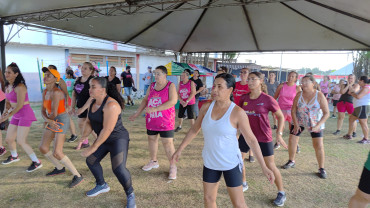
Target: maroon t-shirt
pixel 258 111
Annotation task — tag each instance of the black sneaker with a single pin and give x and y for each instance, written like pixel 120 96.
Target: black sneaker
pixel 85 145
pixel 178 129
pixel 333 116
pixel 251 159
pixel 349 137
pixel 10 160
pixel 298 149
pixel 336 132
pixel 354 134
pixel 73 138
pixel 276 146
pixel 280 199
pixel 322 173
pixel 56 172
pixel 34 166
pixel 2 151
pixel 275 127
pixel 132 103
pixel 75 181
pixel 289 164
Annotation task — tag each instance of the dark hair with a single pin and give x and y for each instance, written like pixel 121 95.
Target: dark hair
pixel 263 85
pixel 365 79
pixel 196 71
pixel 163 68
pixel 296 75
pixel 19 79
pixel 272 72
pixel 110 89
pixel 224 69
pixel 230 82
pixel 52 67
pixel 312 79
pixel 128 67
pixel 187 71
pixel 115 70
pixel 309 73
pixel 70 72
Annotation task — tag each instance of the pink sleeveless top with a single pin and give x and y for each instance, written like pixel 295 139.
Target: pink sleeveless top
pixel 185 90
pixel 324 87
pixel 2 95
pixel 286 96
pixel 160 120
pixel 12 97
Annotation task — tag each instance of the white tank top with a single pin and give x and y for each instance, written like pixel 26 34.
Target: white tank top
pixel 365 100
pixel 221 148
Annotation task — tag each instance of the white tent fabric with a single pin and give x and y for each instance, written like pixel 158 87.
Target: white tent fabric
pixel 206 26
pixel 346 70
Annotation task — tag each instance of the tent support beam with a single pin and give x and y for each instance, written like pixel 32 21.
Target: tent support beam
pixel 339 11
pixel 195 26
pixel 152 24
pixel 2 47
pixel 322 25
pixel 250 27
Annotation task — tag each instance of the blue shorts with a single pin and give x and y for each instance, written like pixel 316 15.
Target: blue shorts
pixel 128 91
pixel 233 177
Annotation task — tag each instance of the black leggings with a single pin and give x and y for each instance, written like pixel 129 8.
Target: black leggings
pixel 118 149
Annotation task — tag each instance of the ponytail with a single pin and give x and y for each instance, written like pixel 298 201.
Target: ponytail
pixel 111 90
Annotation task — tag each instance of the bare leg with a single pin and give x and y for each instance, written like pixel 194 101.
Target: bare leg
pixel 292 146
pixel 153 146
pixel 237 197
pixel 334 110
pixel 359 200
pixel 244 155
pixel 210 194
pixel 11 135
pixel 192 121
pixel 365 128
pixel 22 134
pixel 72 127
pixel 340 120
pixel 180 121
pixel 351 124
pixel 270 163
pixel 169 147
pixel 318 145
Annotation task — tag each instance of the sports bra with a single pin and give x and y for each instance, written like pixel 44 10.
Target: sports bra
pixel 12 96
pixel 61 106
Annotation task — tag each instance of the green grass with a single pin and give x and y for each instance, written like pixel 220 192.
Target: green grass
pixel 344 163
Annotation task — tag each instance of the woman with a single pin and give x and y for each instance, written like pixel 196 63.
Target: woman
pixel 80 96
pixel 285 94
pixel 22 117
pixel 2 108
pixel 70 83
pixel 336 96
pixel 113 79
pixel 260 125
pixel 345 103
pixel 310 110
pixel 361 105
pixel 272 85
pixel 104 118
pixel 324 85
pixel 220 121
pixel 55 115
pixel 160 102
pixel 242 88
pixel 361 199
pixel 186 92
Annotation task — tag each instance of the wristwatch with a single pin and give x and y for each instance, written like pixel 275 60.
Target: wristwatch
pixel 281 133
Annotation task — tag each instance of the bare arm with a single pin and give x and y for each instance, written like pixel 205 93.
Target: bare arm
pixel 277 93
pixel 364 91
pixel 21 91
pixel 343 89
pixel 193 91
pixel 325 110
pixel 142 106
pixel 171 102
pixel 118 86
pixel 55 98
pixel 294 110
pixel 280 128
pixel 86 106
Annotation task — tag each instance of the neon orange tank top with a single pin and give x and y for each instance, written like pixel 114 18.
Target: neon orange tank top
pixel 61 106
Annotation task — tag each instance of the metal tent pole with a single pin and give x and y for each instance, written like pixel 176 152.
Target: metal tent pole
pixel 2 46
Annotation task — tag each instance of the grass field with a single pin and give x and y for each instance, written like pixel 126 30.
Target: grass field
pixel 344 164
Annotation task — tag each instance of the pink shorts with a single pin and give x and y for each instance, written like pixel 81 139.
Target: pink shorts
pixel 24 117
pixel 287 115
pixel 345 106
pixel 21 122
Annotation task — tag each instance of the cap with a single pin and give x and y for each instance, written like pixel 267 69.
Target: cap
pixel 54 72
pixel 149 67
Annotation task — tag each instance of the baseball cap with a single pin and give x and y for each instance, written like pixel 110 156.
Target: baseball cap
pixel 54 72
pixel 149 67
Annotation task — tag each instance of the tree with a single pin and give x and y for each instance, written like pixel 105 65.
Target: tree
pixel 361 63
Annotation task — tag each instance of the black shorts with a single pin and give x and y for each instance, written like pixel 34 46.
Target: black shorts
pixel 163 134
pixel 361 112
pixel 364 184
pixel 335 102
pixel 267 149
pixel 189 109
pixel 313 134
pixel 233 177
pixel 83 115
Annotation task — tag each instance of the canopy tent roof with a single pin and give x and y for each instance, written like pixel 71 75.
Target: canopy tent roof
pixel 176 68
pixel 205 25
pixel 346 70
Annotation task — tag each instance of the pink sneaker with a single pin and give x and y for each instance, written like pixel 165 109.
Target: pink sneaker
pixel 173 172
pixel 2 151
pixel 151 165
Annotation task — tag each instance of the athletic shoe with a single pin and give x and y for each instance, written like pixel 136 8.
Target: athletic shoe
pixel 276 146
pixel 56 172
pixel 336 132
pixel 98 189
pixel 322 173
pixel 333 116
pixel 151 165
pixel 131 203
pixel 349 137
pixel 298 149
pixel 251 159
pixel 2 151
pixel 34 166
pixel 289 164
pixel 173 173
pixel 128 104
pixel 274 127
pixel 75 181
pixel 10 160
pixel 132 103
pixel 85 145
pixel 364 141
pixel 280 199
pixel 245 187
pixel 73 138
pixel 178 128
pixel 354 134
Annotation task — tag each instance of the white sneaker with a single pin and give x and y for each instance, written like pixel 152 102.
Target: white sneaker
pixel 150 165
pixel 245 187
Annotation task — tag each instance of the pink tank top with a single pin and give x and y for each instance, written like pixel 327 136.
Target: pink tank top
pixel 286 96
pixel 12 97
pixel 2 95
pixel 160 120
pixel 324 87
pixel 185 90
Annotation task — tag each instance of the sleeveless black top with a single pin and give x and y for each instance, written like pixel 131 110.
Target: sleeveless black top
pixel 96 120
pixel 82 91
pixel 346 97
